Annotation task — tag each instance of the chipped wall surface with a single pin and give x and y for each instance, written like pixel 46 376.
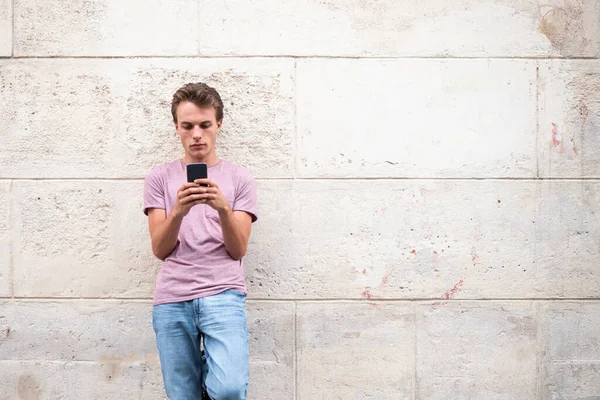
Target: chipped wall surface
pixel 428 185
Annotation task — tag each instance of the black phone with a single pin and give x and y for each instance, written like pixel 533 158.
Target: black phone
pixel 197 171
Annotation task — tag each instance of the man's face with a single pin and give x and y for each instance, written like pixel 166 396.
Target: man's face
pixel 198 127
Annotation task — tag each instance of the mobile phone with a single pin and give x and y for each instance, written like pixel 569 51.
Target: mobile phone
pixel 197 171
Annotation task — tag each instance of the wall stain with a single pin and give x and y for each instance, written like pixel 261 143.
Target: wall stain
pixel 524 326
pixel 452 292
pixel 564 28
pixel 559 144
pixel 384 281
pixel 28 388
pixel 114 365
pixel 555 140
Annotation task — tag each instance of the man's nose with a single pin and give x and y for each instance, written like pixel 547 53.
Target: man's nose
pixel 197 132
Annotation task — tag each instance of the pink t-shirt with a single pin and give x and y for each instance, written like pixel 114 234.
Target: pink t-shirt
pixel 199 265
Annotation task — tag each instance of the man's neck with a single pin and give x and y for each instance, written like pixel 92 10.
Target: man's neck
pixel 210 161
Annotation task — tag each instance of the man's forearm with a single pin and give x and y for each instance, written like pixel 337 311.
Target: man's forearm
pixel 236 242
pixel 166 236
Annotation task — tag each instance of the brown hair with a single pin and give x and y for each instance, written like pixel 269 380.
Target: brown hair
pixel 201 95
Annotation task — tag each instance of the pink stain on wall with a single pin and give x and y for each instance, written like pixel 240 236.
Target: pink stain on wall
pixel 366 294
pixel 452 292
pixel 413 252
pixel 556 142
pixel 555 139
pixel 384 281
pixel 364 271
pixel 474 255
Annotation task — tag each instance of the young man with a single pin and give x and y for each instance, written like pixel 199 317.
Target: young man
pixel 201 234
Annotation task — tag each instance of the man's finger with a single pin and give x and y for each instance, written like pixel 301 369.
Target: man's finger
pixel 206 181
pixel 188 186
pixel 192 197
pixel 186 200
pixel 194 190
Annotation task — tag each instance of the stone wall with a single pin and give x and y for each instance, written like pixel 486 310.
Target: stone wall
pixel 429 192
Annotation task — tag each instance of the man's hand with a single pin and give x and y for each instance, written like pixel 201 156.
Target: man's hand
pixel 212 196
pixel 188 196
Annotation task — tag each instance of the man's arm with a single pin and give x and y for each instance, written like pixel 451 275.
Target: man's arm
pixel 235 226
pixel 163 231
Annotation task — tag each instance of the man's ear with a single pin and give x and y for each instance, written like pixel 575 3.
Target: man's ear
pixel 219 124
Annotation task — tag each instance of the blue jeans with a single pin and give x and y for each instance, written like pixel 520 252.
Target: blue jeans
pixel 221 321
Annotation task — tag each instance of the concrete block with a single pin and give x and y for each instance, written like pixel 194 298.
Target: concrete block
pixel 112 118
pixel 272 333
pixel 6 28
pixel 570 358
pixel 36 380
pixel 425 239
pixel 567 228
pixel 62 118
pixel 492 28
pixel 569 118
pixel 355 351
pixel 5 250
pixel 416 118
pixel 106 28
pixel 81 238
pixel 472 350
pixel 107 332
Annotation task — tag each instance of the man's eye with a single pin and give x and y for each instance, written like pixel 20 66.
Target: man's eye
pixel 186 127
pixel 205 126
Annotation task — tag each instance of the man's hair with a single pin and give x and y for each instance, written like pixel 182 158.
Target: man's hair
pixel 201 95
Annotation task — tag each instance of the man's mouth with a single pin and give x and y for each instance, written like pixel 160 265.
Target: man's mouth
pixel 197 146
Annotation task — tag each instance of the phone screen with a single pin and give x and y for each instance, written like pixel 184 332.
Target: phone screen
pixel 197 171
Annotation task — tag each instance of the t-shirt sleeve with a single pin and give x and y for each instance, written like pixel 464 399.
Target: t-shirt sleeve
pixel 245 199
pixel 154 191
